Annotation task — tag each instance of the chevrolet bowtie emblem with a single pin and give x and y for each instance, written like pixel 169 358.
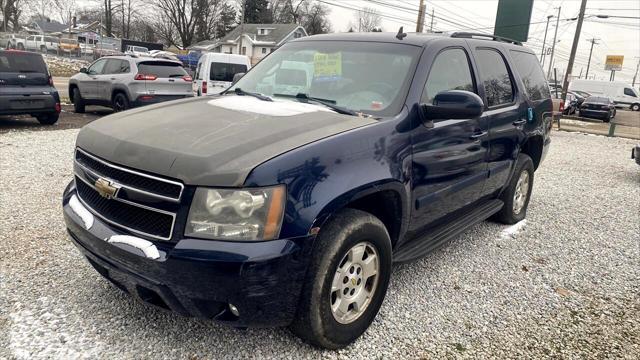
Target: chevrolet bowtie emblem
pixel 105 188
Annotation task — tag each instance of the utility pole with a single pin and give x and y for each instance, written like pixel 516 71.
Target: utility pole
pixel 633 84
pixel 553 48
pixel 574 49
pixel 593 42
pixel 420 23
pixel 431 27
pixel 544 41
pixel 244 9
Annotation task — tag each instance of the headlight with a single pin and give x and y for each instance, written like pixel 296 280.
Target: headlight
pixel 246 214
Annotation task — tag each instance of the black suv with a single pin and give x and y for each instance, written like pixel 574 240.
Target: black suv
pixel 26 87
pixel 285 200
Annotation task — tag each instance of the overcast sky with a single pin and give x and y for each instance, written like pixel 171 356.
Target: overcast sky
pixel 617 36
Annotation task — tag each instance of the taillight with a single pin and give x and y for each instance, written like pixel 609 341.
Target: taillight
pixel 145 77
pixel 204 86
pixel 561 106
pixel 187 78
pixel 58 108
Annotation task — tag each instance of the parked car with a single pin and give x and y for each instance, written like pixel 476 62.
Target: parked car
pixel 26 87
pixel 598 107
pixel 42 43
pixel 584 94
pixel 12 41
pixel 191 59
pixel 635 153
pixel 571 105
pixel 215 72
pixel 579 99
pixel 280 209
pixel 137 50
pixel 69 46
pixel 122 82
pixel 621 93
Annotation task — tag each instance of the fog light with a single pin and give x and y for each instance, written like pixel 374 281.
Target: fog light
pixel 234 310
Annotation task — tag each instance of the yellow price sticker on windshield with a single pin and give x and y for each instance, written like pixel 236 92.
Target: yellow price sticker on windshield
pixel 327 65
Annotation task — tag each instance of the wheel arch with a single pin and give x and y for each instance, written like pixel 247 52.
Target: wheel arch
pixel 120 89
pixel 534 147
pixel 387 200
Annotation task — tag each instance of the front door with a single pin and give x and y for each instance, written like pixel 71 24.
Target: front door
pixel 449 167
pixel 88 82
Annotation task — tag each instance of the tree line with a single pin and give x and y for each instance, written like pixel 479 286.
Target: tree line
pixel 173 22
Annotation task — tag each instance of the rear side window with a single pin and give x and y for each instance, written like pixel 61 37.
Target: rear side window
pixel 161 69
pixel 16 62
pixel 115 66
pixel 497 83
pixel 629 92
pixel 450 71
pixel 531 73
pixel 225 71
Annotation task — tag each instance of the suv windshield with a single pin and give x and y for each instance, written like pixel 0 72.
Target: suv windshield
pixel 161 69
pixel 362 76
pixel 21 62
pixel 225 71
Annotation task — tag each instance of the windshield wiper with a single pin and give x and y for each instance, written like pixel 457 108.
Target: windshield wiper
pixel 331 104
pixel 239 91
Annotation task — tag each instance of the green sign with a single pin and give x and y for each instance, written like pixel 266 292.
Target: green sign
pixel 513 18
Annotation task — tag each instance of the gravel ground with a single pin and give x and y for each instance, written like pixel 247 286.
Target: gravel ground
pixel 565 283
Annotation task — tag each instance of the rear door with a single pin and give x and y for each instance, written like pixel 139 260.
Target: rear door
pixel 505 112
pixel 171 78
pixel 221 75
pixel 111 74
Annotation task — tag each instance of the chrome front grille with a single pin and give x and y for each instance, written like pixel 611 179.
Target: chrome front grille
pixel 141 203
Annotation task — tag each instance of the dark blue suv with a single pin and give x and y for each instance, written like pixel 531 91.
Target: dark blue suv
pixel 285 200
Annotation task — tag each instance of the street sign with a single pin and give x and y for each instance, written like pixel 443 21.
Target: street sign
pixel 614 62
pixel 513 18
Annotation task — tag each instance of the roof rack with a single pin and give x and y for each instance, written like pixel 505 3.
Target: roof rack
pixel 470 35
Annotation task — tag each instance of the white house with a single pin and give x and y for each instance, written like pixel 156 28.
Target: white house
pixel 258 40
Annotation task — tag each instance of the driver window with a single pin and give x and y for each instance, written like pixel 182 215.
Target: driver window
pixel 450 71
pixel 96 68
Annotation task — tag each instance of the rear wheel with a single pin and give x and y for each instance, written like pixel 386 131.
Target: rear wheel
pixel 20 46
pixel 120 102
pixel 346 281
pixel 43 49
pixel 635 107
pixel 78 101
pixel 48 119
pixel 517 194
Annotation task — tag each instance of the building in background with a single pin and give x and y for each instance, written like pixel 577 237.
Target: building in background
pixel 258 40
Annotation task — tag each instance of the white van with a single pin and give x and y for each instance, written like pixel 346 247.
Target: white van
pixel 215 72
pixel 623 95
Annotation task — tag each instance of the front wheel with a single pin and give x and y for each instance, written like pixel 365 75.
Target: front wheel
pixel 635 107
pixel 346 281
pixel 518 192
pixel 78 102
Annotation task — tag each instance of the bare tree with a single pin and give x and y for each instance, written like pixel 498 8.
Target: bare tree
pixel 191 20
pixel 316 19
pixel 11 11
pixel 108 9
pixel 66 10
pixel 368 19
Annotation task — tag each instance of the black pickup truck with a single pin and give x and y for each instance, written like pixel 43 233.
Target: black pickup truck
pixel 26 87
pixel 285 200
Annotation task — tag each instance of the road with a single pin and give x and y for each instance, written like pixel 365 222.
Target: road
pixel 62 85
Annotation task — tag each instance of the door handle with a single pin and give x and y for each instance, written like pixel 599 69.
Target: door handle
pixel 519 122
pixel 478 135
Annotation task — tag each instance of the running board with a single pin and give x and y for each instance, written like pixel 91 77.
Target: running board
pixel 422 245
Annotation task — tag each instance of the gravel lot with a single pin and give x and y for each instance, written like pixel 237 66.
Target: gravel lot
pixel 563 284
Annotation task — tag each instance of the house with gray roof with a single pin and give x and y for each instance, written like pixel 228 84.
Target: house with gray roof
pixel 258 40
pixel 47 26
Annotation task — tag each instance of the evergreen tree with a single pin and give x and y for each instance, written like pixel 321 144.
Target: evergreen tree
pixel 227 21
pixel 257 12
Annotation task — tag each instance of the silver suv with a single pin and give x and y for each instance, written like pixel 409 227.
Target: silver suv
pixel 122 82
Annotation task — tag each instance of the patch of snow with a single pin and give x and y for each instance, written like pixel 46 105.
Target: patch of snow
pixel 273 108
pixel 513 230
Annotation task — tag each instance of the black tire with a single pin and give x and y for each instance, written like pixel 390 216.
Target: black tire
pixel 314 321
pixel 43 49
pixel 20 46
pixel 48 119
pixel 507 215
pixel 78 102
pixel 120 102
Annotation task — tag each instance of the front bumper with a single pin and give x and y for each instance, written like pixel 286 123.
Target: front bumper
pixel 196 277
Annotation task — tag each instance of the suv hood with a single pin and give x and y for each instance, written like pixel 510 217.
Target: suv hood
pixel 211 142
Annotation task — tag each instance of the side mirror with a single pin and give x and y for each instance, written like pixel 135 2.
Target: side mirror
pixel 452 104
pixel 237 77
pixel 84 70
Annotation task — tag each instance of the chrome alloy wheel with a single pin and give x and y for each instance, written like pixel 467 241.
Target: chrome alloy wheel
pixel 354 283
pixel 521 193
